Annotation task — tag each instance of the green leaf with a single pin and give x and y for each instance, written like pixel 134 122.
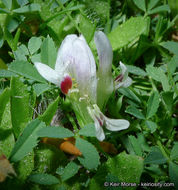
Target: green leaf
pixel 158 75
pixel 7 139
pixel 88 130
pixel 164 80
pixel 155 157
pixel 21 52
pixel 174 152
pixel 27 70
pixel 128 168
pixel 50 112
pixel 8 4
pixel 135 112
pixel 130 94
pixel 140 4
pixel 162 8
pixel 48 52
pixel 136 70
pixel 55 132
pixel 43 179
pixel 69 171
pixel 41 88
pixel 20 106
pixel 89 153
pixel 152 4
pixel 173 173
pixel 34 44
pixel 28 8
pixel 22 2
pixel 173 64
pixel 4 98
pixel 136 145
pixel 6 74
pixel 87 28
pixel 126 33
pixel 168 100
pixel 171 46
pixel 48 158
pixel 151 125
pixel 153 104
pixel 153 72
pixel 27 141
pixel 25 166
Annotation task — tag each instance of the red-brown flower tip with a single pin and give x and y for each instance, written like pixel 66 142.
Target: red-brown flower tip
pixel 66 84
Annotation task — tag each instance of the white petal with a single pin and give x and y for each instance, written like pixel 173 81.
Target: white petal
pixel 127 82
pixel 104 50
pixel 48 73
pixel 76 58
pixel 99 131
pixel 84 69
pixel 116 124
pixel 123 68
pixel 105 80
pixel 64 52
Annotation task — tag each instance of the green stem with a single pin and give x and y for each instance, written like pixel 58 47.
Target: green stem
pixel 73 123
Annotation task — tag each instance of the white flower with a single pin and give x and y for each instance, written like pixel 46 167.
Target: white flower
pixel 75 64
pixel 123 80
pixel 101 120
pixel 75 68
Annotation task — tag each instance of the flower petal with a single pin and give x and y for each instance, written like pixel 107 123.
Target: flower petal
pixel 94 114
pixel 116 124
pixel 104 50
pixel 84 69
pixel 99 131
pixel 127 82
pixel 123 69
pixel 48 73
pixel 105 80
pixel 76 59
pixel 64 53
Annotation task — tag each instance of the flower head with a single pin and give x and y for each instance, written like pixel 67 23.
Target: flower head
pixel 75 64
pixel 75 68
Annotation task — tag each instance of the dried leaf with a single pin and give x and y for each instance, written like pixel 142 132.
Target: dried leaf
pixel 5 168
pixel 67 145
pixel 108 147
pixel 70 148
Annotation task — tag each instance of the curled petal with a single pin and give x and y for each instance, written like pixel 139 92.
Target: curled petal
pixel 123 80
pixel 124 71
pixel 116 124
pixel 124 84
pixel 99 131
pixel 48 73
